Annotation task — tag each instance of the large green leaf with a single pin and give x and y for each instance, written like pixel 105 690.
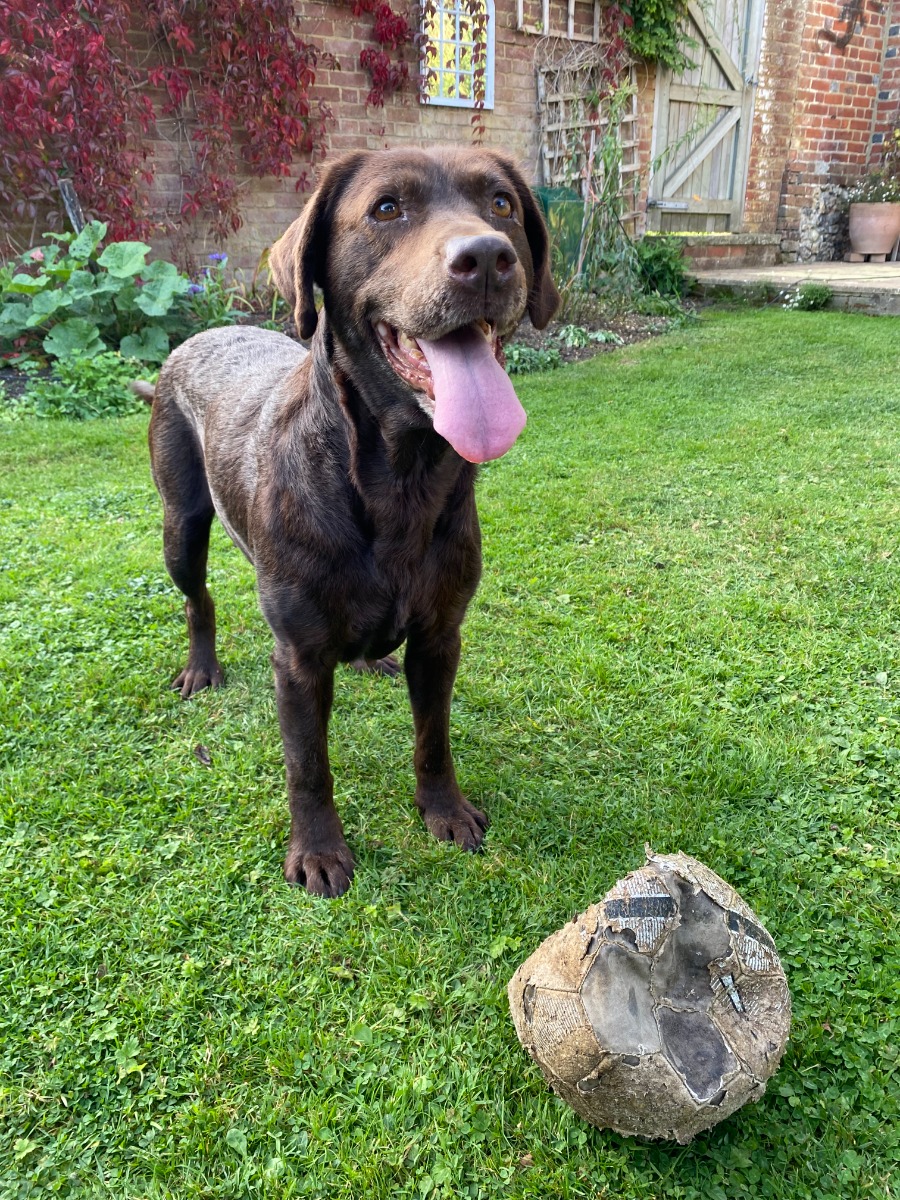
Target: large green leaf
pixel 50 252
pixel 88 240
pixel 14 319
pixel 46 304
pixel 150 345
pixel 162 283
pixel 156 299
pixel 75 338
pixel 27 285
pixel 81 284
pixel 161 269
pixel 124 259
pixel 106 284
pixel 88 290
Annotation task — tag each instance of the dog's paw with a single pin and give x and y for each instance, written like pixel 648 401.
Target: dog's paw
pixel 194 679
pixel 322 873
pixel 389 666
pixel 457 821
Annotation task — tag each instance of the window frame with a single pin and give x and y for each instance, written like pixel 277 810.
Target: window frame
pixel 456 8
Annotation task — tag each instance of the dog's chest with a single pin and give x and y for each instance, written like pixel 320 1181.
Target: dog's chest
pixel 394 590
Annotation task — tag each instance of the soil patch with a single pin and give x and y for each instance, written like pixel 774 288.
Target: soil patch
pixel 628 328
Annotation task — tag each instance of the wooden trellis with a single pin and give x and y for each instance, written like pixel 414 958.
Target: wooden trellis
pixel 582 19
pixel 575 117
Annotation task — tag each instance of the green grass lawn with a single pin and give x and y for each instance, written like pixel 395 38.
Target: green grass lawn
pixel 687 634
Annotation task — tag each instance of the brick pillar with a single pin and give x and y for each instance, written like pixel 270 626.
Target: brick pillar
pixel 773 116
pixel 838 79
pixel 886 114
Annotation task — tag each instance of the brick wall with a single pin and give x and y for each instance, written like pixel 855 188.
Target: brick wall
pixel 270 205
pixel 646 78
pixel 822 112
pixel 887 103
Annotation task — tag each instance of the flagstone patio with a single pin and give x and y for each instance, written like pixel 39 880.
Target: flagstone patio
pixel 858 287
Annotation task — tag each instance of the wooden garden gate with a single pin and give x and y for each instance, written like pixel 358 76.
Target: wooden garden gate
pixel 702 121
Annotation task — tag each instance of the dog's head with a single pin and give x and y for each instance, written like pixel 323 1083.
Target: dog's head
pixel 426 260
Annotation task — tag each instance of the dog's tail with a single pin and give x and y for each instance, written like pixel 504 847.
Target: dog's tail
pixel 145 390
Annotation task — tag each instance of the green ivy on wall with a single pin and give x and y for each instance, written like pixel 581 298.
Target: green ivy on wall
pixel 656 31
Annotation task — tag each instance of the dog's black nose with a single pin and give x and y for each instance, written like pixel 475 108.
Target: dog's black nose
pixel 487 259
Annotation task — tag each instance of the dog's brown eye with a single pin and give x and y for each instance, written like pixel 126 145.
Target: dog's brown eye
pixel 501 206
pixel 386 210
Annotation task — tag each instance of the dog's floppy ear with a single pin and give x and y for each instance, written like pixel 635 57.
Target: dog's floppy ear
pixel 297 260
pixel 543 299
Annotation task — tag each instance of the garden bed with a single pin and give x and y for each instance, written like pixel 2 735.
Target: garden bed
pixel 572 342
pixel 626 328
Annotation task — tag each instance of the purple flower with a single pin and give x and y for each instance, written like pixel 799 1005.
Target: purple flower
pixel 218 257
pixel 195 288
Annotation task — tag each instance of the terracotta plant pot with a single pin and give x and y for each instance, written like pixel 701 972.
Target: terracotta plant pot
pixel 874 228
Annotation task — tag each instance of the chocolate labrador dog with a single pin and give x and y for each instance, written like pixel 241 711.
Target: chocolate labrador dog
pixel 346 474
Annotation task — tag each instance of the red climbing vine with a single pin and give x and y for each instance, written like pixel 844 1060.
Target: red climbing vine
pixel 233 83
pixel 75 81
pixel 72 106
pixel 232 66
pixel 385 64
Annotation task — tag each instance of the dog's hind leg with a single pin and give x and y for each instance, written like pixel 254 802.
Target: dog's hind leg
pixel 389 666
pixel 180 477
pixel 430 664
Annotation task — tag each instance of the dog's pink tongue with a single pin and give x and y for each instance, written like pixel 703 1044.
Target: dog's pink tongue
pixel 475 407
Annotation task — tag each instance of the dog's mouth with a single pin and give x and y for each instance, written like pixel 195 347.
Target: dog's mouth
pixel 460 382
pixel 410 362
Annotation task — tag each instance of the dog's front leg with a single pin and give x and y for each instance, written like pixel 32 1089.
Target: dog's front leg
pixel 318 857
pixel 430 664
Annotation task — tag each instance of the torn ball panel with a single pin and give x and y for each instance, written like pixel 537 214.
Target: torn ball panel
pixel 674 998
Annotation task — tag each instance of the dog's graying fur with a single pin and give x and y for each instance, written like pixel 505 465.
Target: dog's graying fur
pixel 326 468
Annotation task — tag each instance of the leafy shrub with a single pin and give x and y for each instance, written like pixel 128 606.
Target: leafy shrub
pixel 80 389
pixel 878 187
pixel 70 299
pixel 76 301
pixel 576 336
pixel 522 359
pixel 808 297
pixel 652 304
pixel 660 266
pixel 212 301
pixel 656 31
